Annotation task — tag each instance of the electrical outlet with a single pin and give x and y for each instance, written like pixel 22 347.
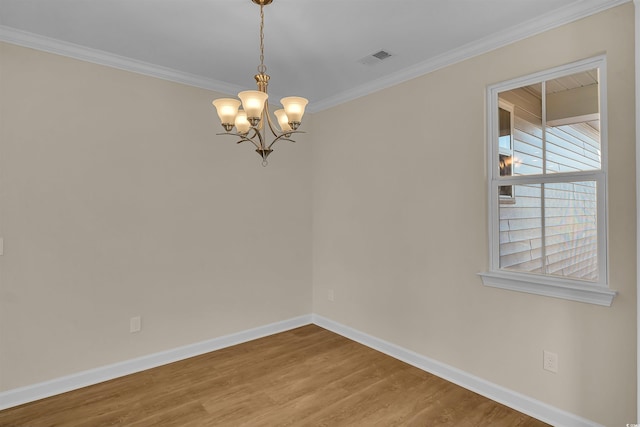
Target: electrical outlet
pixel 550 361
pixel 330 295
pixel 135 324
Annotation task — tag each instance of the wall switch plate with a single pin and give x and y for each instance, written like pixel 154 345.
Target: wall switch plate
pixel 330 295
pixel 135 324
pixel 550 361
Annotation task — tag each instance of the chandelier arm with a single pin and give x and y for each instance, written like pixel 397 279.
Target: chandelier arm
pixel 260 145
pixel 256 132
pixel 242 137
pixel 284 137
pixel 269 122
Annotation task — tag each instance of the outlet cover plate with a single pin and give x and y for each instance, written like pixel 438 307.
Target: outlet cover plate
pixel 550 361
pixel 135 324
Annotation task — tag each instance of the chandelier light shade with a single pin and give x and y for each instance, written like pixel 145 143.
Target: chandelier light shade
pixel 242 124
pixel 294 108
pixel 253 103
pixel 227 111
pixel 253 121
pixel 283 120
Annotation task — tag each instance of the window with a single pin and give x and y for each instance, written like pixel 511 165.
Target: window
pixel 547 183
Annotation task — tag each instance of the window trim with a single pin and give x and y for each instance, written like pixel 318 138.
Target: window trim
pixel 554 286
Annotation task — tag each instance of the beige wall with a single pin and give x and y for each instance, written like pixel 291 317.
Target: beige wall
pixel 116 200
pixel 400 228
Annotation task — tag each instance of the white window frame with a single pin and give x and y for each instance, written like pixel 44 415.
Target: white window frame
pixel 541 284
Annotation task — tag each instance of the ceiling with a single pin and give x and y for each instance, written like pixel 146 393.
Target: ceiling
pixel 319 49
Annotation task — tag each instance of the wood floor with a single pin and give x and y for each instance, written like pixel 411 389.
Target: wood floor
pixel 304 377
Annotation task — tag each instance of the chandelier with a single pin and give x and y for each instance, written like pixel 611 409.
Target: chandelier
pixel 251 123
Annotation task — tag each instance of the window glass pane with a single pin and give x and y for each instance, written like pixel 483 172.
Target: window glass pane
pixel 504 136
pixel 521 230
pixel 571 240
pixel 573 123
pixel 505 191
pixel 527 128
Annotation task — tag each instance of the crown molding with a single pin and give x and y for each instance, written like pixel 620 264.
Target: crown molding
pixel 577 10
pixel 83 53
pixel 573 12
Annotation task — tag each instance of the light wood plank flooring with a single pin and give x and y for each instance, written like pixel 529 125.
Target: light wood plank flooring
pixel 304 377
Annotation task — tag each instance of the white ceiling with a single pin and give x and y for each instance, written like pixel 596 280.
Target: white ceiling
pixel 313 48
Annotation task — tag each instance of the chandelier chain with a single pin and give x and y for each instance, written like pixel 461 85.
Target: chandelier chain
pixel 262 68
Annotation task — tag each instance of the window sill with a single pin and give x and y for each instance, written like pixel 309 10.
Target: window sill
pixel 573 290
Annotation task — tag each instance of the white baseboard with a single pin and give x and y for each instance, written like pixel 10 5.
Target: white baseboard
pixel 512 399
pixel 41 390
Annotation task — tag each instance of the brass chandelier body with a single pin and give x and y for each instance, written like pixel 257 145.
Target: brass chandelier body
pixel 251 124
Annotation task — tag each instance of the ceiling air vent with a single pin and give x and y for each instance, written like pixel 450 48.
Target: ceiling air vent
pixel 375 58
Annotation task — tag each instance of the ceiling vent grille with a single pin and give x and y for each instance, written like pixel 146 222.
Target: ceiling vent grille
pixel 375 58
pixel 381 55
